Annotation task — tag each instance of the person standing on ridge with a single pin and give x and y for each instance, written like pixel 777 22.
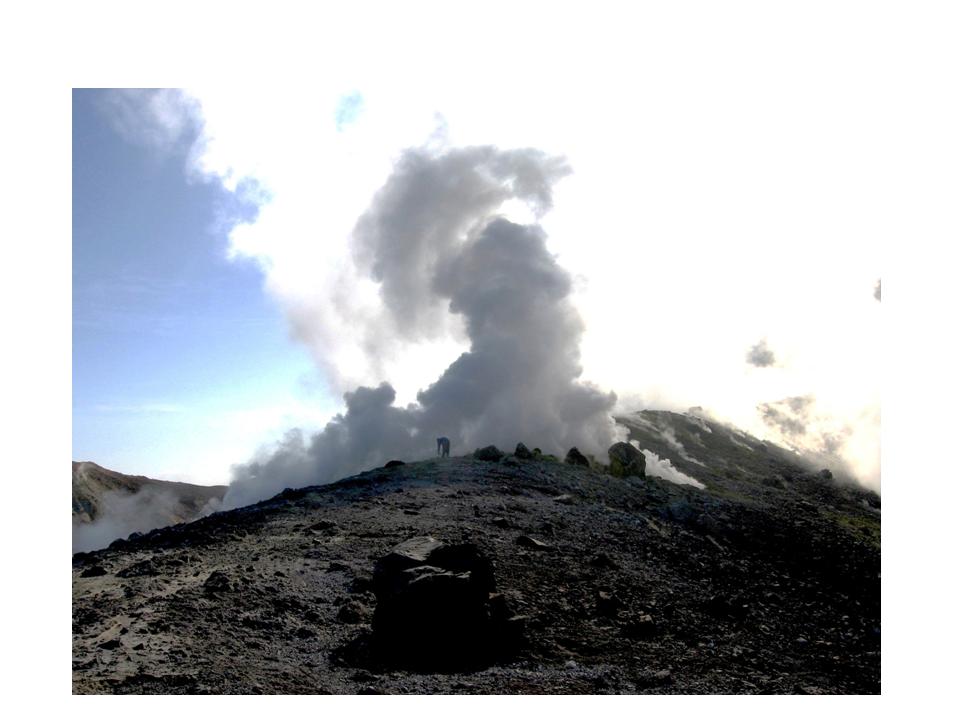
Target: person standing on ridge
pixel 443 447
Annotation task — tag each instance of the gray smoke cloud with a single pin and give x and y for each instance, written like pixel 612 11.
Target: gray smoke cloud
pixel 876 292
pixel 434 242
pixel 819 441
pixel 789 415
pixel 760 355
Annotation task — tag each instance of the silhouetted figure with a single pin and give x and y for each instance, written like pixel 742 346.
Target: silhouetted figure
pixel 443 447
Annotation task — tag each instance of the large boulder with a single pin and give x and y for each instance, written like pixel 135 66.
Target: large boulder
pixel 490 453
pixel 522 452
pixel 626 460
pixel 434 608
pixel 575 457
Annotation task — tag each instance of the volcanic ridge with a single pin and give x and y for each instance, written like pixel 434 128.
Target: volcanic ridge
pixel 507 573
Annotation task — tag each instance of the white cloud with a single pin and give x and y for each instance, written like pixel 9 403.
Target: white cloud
pixel 711 203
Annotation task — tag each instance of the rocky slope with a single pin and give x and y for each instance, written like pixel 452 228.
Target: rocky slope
pixel 552 578
pixel 108 504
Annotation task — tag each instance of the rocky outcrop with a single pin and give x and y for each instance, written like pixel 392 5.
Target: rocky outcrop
pixel 217 582
pixel 522 452
pixel 490 452
pixel 433 607
pixel 575 457
pixel 626 460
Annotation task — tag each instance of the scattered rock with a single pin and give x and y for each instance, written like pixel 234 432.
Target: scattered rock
pixel 109 644
pixel 360 584
pixel 724 607
pixel 363 676
pixel 602 560
pixel 642 627
pixel 651 678
pixel 94 571
pixel 575 457
pixel 324 527
pixel 489 453
pixel 522 452
pixel 525 541
pixel 144 568
pixel 608 604
pixel 502 522
pixel 217 582
pixel 564 499
pixel 626 460
pixel 351 612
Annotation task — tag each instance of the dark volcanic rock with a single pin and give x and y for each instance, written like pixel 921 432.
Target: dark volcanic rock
pixel 490 452
pixel 394 463
pixel 351 612
pixel 525 541
pixel 626 460
pixel 327 527
pixel 642 627
pixel 217 582
pixel 575 457
pixel 602 560
pixel 93 571
pixel 522 452
pixel 608 604
pixel 433 607
pixel 144 568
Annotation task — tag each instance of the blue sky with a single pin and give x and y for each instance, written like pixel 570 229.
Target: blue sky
pixel 178 354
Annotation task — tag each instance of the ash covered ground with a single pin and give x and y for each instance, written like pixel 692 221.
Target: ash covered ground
pixel 764 581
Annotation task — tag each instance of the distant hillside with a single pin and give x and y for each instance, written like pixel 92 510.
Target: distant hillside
pixel 732 463
pixel 108 504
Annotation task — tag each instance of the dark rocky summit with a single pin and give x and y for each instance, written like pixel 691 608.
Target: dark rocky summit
pixel 461 575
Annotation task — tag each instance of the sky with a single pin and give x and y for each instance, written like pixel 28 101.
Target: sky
pixel 720 221
pixel 181 364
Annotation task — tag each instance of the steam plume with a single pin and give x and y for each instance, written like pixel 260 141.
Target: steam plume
pixel 760 355
pixel 434 243
pixel 790 415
